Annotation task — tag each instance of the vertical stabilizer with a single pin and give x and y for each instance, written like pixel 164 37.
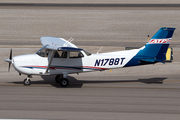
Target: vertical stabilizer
pixel 157 47
pixel 155 50
pixel 164 33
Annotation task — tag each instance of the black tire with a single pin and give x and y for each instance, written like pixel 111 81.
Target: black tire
pixel 64 82
pixel 58 78
pixel 27 81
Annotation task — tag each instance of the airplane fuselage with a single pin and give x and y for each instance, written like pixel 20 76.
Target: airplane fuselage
pixel 33 64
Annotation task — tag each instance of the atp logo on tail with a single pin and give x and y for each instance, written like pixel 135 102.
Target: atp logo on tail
pixel 160 40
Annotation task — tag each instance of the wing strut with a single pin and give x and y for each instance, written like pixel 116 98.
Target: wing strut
pixel 50 61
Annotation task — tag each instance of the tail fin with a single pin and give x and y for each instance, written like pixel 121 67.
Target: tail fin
pixel 164 33
pixel 155 50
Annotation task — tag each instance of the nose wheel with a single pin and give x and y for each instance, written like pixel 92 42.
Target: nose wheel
pixel 27 81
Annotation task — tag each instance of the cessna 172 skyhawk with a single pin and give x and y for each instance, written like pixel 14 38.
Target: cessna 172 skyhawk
pixel 60 57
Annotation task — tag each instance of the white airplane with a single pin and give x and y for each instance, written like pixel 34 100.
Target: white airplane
pixel 60 57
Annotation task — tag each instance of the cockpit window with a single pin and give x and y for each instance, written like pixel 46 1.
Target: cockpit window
pixel 75 54
pixel 43 52
pixel 60 54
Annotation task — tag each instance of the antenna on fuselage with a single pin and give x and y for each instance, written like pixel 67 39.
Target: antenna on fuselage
pixel 99 50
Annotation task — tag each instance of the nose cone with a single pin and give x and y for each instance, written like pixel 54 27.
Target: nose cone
pixel 8 60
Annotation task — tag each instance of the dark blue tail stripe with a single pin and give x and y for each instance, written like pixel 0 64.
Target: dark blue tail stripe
pixel 163 33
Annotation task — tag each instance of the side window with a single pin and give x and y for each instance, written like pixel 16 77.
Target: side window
pixel 56 55
pixel 74 54
pixel 60 54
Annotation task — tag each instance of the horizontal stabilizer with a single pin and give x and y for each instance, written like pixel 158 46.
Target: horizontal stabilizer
pixel 150 60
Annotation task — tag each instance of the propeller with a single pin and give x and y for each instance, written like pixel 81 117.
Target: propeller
pixel 9 60
pixel 10 57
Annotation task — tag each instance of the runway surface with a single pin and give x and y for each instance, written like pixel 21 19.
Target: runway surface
pixel 142 92
pixel 138 93
pixel 92 97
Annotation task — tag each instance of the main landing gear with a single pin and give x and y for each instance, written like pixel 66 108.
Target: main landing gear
pixel 64 82
pixel 27 81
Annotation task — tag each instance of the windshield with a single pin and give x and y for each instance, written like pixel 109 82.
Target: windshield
pixel 43 52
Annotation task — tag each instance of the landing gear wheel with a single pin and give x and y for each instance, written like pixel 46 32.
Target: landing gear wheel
pixel 58 78
pixel 64 82
pixel 27 81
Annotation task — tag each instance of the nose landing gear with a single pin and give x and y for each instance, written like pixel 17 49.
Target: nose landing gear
pixel 27 81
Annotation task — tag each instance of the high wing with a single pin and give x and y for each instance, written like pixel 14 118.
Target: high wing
pixel 57 44
pixel 54 41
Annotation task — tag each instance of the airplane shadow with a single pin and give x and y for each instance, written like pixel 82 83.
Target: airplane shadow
pixel 74 83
